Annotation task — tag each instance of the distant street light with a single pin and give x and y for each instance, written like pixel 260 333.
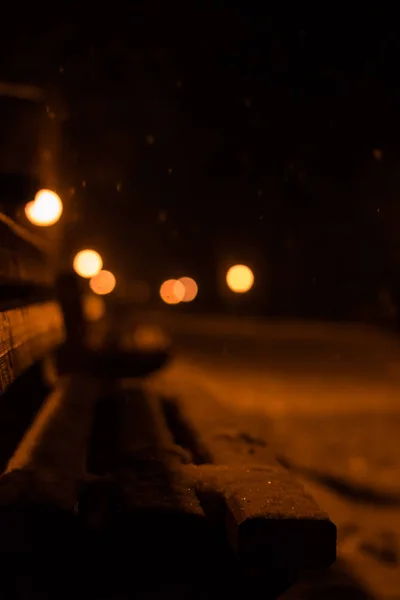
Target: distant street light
pixel 87 263
pixel 103 283
pixel 191 288
pixel 172 291
pixel 240 279
pixel 45 210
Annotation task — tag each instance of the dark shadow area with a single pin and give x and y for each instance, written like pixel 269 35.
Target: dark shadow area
pixel 102 450
pixel 136 526
pixel 19 295
pixel 18 406
pixel 182 433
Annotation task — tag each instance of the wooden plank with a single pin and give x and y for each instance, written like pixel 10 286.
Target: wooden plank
pixel 40 486
pixel 157 508
pixel 269 517
pixel 26 335
pixel 52 452
pixel 146 443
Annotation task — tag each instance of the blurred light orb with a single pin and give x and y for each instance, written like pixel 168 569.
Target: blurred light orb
pixel 94 308
pixel 87 263
pixel 29 211
pixel 45 210
pixel 191 288
pixel 172 291
pixel 103 283
pixel 240 279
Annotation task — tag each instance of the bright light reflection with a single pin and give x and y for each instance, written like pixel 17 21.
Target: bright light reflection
pixel 191 288
pixel 45 210
pixel 172 291
pixel 87 263
pixel 240 279
pixel 103 283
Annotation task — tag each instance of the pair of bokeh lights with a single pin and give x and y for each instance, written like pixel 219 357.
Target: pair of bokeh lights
pixel 46 210
pixel 89 265
pixel 175 291
pixel 239 279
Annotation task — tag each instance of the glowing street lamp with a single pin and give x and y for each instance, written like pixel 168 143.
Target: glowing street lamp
pixel 240 279
pixel 45 210
pixel 103 283
pixel 191 288
pixel 87 263
pixel 172 291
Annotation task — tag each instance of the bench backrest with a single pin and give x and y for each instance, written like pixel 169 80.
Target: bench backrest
pixel 30 318
pixel 31 322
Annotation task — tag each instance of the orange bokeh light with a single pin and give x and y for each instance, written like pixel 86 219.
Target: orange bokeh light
pixel 87 263
pixel 45 210
pixel 103 283
pixel 172 291
pixel 240 279
pixel 191 288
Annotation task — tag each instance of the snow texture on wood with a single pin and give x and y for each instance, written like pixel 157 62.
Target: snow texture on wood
pixel 156 509
pixel 148 464
pixel 269 516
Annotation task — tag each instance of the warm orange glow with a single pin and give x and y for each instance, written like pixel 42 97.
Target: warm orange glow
pixel 87 263
pixel 240 279
pixel 45 210
pixel 191 288
pixel 103 283
pixel 172 291
pixel 150 337
pixel 94 307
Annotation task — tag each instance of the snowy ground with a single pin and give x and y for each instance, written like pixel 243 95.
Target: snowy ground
pixel 332 398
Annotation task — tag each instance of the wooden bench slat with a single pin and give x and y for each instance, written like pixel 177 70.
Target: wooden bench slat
pixel 148 460
pixel 269 516
pixel 26 335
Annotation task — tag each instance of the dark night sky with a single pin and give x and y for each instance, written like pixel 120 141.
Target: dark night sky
pixel 263 131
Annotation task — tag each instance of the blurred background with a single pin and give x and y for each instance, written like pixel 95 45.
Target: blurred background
pixel 186 142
